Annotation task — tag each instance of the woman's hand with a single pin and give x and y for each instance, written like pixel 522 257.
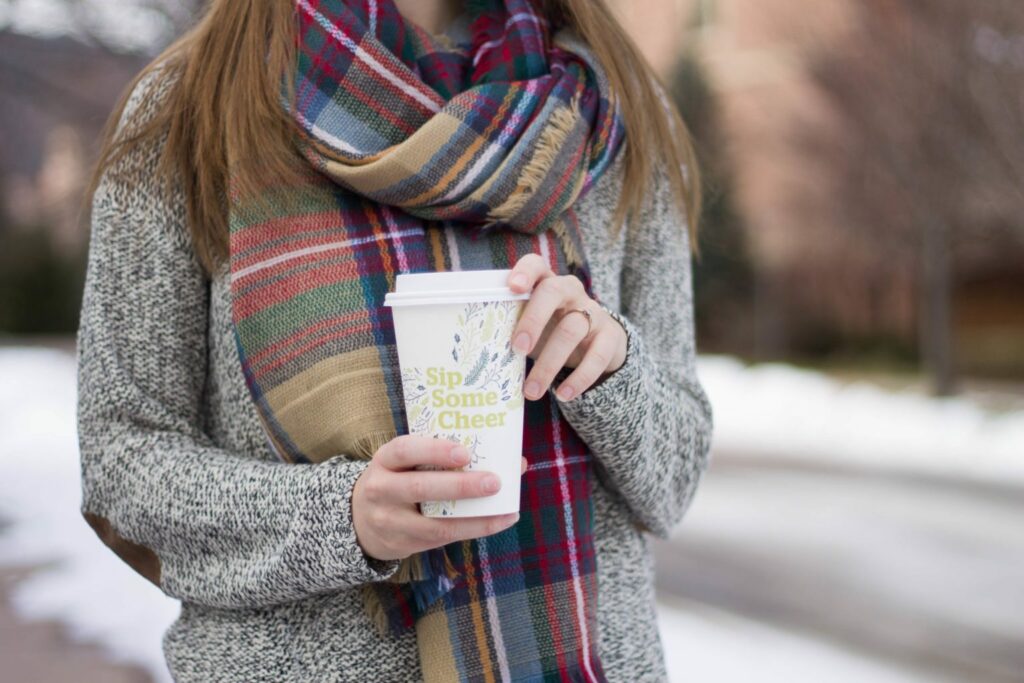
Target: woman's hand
pixel 389 525
pixel 554 339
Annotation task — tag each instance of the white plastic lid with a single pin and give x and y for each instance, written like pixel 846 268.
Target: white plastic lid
pixel 459 286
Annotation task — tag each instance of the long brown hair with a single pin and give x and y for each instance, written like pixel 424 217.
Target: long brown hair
pixel 226 92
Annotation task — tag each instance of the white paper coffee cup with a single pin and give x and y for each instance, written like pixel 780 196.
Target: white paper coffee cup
pixel 461 378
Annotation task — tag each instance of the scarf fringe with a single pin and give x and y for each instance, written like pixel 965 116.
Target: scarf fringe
pixel 374 607
pixel 573 258
pixel 550 142
pixel 438 573
pixel 429 576
pixel 365 446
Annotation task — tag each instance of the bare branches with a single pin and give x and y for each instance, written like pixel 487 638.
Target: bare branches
pixel 913 88
pixel 927 168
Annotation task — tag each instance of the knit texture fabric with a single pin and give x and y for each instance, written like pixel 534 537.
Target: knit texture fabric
pixel 405 136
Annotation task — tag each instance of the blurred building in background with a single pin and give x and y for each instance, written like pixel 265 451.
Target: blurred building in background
pixel 874 163
pixel 55 95
pixel 879 173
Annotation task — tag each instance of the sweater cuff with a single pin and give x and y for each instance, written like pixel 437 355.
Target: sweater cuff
pixel 348 557
pixel 620 389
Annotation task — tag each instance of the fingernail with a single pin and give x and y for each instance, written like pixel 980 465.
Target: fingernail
pixel 460 454
pixel 516 518
pixel 491 484
pixel 522 342
pixel 564 392
pixel 519 280
pixel 532 389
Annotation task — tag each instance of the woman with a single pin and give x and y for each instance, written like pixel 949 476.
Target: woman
pixel 242 437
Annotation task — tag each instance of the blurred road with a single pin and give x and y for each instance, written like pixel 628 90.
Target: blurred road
pixel 41 652
pixel 921 575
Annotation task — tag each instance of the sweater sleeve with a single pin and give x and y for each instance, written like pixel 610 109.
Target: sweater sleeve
pixel 649 423
pixel 205 524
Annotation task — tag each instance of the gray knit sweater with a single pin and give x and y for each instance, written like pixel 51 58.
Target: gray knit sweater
pixel 178 478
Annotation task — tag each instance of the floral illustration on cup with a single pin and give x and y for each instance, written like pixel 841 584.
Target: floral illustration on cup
pixel 482 364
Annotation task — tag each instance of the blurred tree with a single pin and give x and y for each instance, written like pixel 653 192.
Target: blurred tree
pixel 723 274
pixel 40 285
pixel 928 165
pixel 52 83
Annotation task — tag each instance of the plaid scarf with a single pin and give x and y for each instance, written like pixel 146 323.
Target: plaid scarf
pixel 425 154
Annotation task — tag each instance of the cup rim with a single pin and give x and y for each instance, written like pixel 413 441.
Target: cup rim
pixel 434 297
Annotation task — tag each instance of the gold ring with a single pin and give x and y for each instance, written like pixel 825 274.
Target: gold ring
pixel 586 314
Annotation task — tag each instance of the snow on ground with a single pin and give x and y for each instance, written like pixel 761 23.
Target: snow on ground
pixel 707 645
pixel 83 585
pixel 769 409
pixel 778 410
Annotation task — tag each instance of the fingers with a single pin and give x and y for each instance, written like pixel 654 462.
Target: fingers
pixel 570 331
pixel 416 487
pixel 527 271
pixel 550 294
pixel 595 362
pixel 385 517
pixel 411 450
pixel 429 532
pixel 397 482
